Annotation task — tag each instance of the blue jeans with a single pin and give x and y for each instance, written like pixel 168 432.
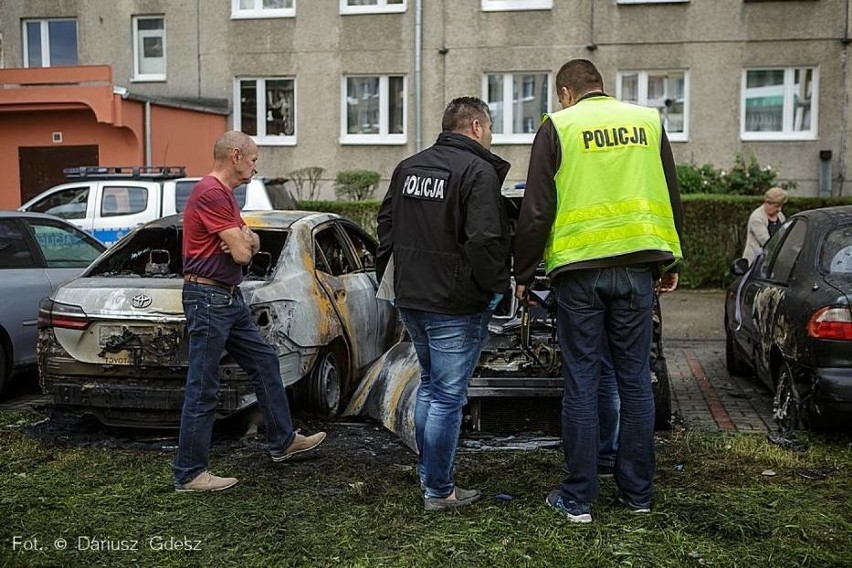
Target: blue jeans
pixel 595 304
pixel 448 348
pixel 216 322
pixel 608 408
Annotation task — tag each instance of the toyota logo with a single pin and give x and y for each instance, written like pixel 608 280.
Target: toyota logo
pixel 141 301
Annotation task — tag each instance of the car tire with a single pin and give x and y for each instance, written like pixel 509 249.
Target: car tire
pixel 786 404
pixel 732 360
pixel 4 368
pixel 324 386
pixel 662 395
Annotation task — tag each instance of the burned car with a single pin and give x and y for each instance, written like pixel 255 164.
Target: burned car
pixel 517 384
pixel 113 343
pixel 788 319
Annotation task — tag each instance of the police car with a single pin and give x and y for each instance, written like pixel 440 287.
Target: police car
pixel 110 201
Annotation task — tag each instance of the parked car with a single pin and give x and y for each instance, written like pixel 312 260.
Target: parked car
pixel 112 342
pixel 788 319
pixel 110 201
pixel 517 384
pixel 38 253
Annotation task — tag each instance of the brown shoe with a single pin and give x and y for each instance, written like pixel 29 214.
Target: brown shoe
pixel 458 498
pixel 300 444
pixel 205 481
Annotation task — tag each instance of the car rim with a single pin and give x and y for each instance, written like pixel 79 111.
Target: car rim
pixel 785 405
pixel 328 384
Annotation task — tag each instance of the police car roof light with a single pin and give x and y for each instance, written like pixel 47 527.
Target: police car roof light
pixel 125 172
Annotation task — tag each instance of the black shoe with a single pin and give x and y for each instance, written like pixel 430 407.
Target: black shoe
pixel 575 512
pixel 632 507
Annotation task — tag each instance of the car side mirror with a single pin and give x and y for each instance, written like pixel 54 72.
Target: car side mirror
pixel 739 266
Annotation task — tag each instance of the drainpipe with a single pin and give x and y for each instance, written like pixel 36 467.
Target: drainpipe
pixel 418 56
pixel 844 116
pixel 591 46
pixel 148 133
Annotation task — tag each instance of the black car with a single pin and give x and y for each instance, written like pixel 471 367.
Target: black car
pixel 788 319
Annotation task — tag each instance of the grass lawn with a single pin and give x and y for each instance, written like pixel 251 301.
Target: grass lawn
pixel 721 500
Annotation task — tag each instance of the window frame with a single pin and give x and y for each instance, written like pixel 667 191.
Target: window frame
pixel 507 136
pixel 44 25
pixel 515 5
pixel 259 12
pixel 137 75
pixel 384 137
pixel 260 109
pixel 382 7
pixel 786 132
pixel 642 88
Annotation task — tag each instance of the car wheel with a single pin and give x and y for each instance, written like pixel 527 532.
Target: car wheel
pixel 786 405
pixel 4 371
pixel 324 385
pixel 662 394
pixel 732 361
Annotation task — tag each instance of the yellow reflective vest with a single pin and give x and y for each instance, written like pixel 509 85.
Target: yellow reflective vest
pixel 612 197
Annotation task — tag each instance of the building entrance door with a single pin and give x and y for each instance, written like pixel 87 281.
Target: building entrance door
pixel 41 167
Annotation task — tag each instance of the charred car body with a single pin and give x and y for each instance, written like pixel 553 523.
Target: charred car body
pixel 113 343
pixel 517 384
pixel 788 319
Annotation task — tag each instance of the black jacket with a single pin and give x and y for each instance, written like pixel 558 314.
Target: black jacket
pixel 443 220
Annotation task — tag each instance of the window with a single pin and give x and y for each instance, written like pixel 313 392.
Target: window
pixel 836 254
pixel 265 109
pixel 517 102
pixel 780 104
pixel 68 203
pixel 14 249
pixel 50 43
pixel 666 91
pixel 373 109
pixel 63 247
pixel 364 246
pixel 121 200
pixel 503 5
pixel 331 255
pixel 263 9
pixel 149 48
pixel 371 6
pixel 781 266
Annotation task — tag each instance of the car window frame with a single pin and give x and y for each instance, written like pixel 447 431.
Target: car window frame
pixel 789 228
pixel 365 236
pixel 343 240
pixel 68 227
pixel 35 251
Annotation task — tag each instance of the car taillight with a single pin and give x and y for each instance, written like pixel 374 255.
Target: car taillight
pixel 831 322
pixel 57 314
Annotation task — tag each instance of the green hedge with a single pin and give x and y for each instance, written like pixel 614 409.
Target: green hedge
pixel 714 227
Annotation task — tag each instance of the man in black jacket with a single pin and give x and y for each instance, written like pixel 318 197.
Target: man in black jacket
pixel 443 221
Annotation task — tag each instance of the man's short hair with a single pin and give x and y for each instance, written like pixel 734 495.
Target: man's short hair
pixel 579 76
pixel 775 196
pixel 462 111
pixel 229 140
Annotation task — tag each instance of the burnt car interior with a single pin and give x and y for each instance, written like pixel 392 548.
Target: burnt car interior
pixel 156 253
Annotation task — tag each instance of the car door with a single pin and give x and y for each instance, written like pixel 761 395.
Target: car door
pixel 72 202
pixel 350 289
pixel 121 206
pixel 770 294
pixel 23 285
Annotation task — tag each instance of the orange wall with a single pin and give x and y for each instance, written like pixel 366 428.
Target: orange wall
pixel 117 146
pixel 182 137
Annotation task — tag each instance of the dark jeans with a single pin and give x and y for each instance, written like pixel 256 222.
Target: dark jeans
pixel 448 348
pixel 617 302
pixel 217 322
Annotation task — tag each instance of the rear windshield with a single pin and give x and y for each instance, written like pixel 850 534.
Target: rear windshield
pixel 836 255
pixel 155 252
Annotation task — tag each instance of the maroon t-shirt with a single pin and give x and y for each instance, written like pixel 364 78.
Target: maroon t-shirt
pixel 210 209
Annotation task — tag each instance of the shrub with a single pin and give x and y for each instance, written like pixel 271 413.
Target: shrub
pixel 356 185
pixel 744 178
pixel 306 181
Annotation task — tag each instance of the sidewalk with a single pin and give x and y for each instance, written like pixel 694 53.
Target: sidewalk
pixel 704 395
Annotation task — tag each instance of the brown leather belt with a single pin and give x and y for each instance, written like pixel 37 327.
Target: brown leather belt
pixel 231 288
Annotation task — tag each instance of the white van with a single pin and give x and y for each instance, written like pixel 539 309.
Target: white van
pixel 110 201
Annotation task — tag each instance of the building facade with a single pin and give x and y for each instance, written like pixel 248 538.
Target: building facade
pixel 361 84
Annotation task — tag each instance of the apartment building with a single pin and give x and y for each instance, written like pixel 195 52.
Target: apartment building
pixel 361 84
